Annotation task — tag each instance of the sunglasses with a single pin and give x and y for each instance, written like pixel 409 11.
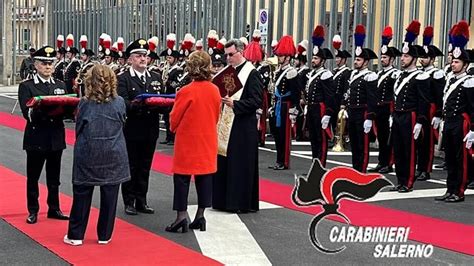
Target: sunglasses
pixel 231 54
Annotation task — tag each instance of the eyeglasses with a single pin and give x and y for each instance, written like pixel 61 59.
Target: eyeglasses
pixel 231 54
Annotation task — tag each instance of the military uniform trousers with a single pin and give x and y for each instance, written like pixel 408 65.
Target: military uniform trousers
pixel 359 139
pixel 181 191
pixel 317 136
pixel 282 135
pixel 81 207
pixel 166 119
pixel 383 132
pixel 140 156
pixel 35 161
pixel 404 147
pixel 426 143
pixel 457 157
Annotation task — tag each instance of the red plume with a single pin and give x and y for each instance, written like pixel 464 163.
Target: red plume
pixel 414 27
pixel 253 52
pixel 107 42
pixel 318 31
pixel 337 42
pixel 120 44
pixel 70 40
pixel 387 32
pixel 285 47
pixel 60 41
pixel 462 28
pixel 360 29
pixel 428 32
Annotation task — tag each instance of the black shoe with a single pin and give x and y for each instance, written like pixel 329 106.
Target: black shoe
pixel 405 189
pixel 443 197
pixel 145 209
pixel 199 223
pixel 130 210
pixel 386 170
pixel 470 185
pixel 454 198
pixel 271 166
pixel 58 215
pixel 280 167
pixel 164 142
pixel 170 143
pixel 395 188
pixel 440 166
pixel 424 176
pixel 417 173
pixel 32 218
pixel 375 169
pixel 174 227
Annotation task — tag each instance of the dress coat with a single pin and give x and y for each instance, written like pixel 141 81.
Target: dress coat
pixel 194 119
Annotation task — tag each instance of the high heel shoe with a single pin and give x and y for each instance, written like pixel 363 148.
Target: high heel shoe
pixel 199 223
pixel 183 225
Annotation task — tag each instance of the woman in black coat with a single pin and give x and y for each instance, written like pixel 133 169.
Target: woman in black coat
pixel 100 155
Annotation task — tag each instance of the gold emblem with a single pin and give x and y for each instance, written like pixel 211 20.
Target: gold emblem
pixel 229 83
pixel 48 51
pixel 141 42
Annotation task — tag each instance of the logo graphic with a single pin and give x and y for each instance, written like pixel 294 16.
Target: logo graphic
pixel 328 187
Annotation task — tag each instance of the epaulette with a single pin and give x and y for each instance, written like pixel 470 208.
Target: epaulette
pixel 422 76
pixel 469 83
pixel 292 73
pixel 371 76
pixel 438 74
pixel 327 74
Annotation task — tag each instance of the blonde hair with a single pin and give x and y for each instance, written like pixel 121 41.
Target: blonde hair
pixel 100 84
pixel 199 66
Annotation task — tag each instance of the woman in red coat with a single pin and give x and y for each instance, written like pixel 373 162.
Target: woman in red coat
pixel 194 120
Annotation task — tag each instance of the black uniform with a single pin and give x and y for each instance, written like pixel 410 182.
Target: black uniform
pixel 434 96
pixel 141 132
pixel 70 74
pixel 320 99
pixel 303 76
pixel 341 81
pixel 43 141
pixel 458 113
pixel 384 96
pixel 360 107
pixel 287 96
pixel 172 83
pixel 27 68
pixel 59 70
pixel 266 75
pixel 411 107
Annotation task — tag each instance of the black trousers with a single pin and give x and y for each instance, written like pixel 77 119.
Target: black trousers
pixel 181 191
pixel 140 157
pixel 317 137
pixel 34 165
pixel 359 140
pixel 457 157
pixel 404 147
pixel 425 146
pixel 166 119
pixel 383 133
pixel 81 207
pixel 282 136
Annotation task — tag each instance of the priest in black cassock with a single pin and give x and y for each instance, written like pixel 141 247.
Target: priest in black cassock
pixel 235 185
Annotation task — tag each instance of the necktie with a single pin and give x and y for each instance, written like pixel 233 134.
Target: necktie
pixel 142 78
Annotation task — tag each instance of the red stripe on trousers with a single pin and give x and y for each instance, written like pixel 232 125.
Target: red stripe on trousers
pixel 429 165
pixel 465 153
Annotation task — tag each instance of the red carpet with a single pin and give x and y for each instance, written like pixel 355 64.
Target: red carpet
pixel 440 233
pixel 128 240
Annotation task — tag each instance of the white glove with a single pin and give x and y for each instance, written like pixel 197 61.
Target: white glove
pixel 346 115
pixel 390 121
pixel 435 122
pixel 305 110
pixel 259 113
pixel 270 111
pixel 367 126
pixel 293 114
pixel 325 121
pixel 469 139
pixel 417 131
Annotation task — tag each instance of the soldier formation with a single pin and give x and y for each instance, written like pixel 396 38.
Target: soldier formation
pixel 407 110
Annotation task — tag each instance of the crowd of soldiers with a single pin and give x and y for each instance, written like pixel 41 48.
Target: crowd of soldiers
pixel 407 110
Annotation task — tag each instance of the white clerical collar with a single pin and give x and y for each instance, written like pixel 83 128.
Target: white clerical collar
pixel 243 62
